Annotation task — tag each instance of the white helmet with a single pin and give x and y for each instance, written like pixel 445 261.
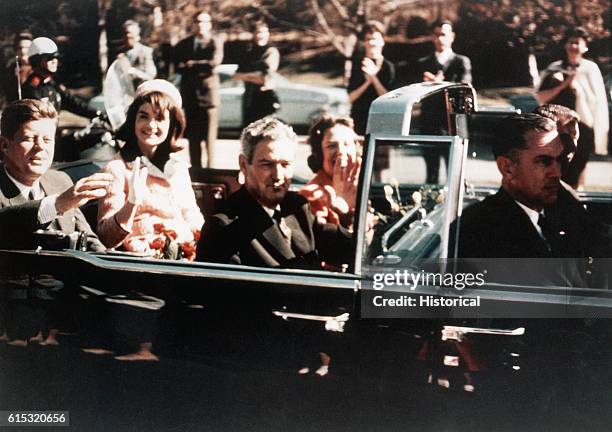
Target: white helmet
pixel 42 46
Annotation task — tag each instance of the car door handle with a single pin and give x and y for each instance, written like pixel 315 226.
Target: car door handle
pixel 332 323
pixel 450 332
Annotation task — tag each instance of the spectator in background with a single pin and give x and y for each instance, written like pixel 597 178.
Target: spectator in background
pixel 576 83
pixel 152 211
pixel 142 66
pixel 443 64
pixel 15 76
pixel 196 58
pixel 334 160
pixel 257 71
pixel 371 75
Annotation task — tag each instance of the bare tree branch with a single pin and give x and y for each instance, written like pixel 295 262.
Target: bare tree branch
pixel 333 38
pixel 341 10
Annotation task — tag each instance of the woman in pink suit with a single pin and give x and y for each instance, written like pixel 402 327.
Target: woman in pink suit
pixel 151 207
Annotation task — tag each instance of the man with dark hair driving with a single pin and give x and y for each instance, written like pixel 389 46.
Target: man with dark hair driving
pixel 532 215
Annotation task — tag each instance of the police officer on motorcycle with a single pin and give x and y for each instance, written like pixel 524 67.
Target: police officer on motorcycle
pixel 43 56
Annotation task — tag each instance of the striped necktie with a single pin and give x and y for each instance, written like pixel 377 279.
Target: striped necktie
pixel 36 193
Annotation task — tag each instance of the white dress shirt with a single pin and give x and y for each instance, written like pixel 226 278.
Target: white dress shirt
pixel 47 211
pixel 533 217
pixel 444 56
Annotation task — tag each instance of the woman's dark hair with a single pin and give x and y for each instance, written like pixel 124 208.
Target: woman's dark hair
pixel 578 33
pixel 256 22
pixel 317 130
pixel 371 27
pixel 160 102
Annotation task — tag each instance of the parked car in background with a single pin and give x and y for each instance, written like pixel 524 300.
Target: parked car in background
pixel 299 102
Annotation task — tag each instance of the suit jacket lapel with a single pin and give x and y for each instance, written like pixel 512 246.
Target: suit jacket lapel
pixel 434 64
pixel 9 190
pixel 523 228
pixel 276 238
pixel 270 231
pixel 299 240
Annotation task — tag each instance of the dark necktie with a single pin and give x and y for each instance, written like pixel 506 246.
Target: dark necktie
pixel 547 231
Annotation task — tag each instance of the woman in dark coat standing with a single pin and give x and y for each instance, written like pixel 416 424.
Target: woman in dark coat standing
pixel 257 71
pixel 371 74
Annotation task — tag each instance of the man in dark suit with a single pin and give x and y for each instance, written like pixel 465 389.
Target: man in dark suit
pixel 264 224
pixel 196 58
pixel 443 64
pixel 35 198
pixel 533 215
pixel 32 196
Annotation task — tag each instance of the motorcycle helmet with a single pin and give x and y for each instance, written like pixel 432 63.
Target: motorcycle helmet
pixel 42 47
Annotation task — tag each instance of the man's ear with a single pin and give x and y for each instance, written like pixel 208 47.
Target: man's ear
pixel 242 163
pixel 505 165
pixel 4 142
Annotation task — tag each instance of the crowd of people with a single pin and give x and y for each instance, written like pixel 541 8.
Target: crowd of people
pixel 146 205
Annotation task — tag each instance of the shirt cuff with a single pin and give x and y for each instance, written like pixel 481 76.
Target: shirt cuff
pixel 47 211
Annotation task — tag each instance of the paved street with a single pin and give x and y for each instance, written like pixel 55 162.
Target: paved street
pixel 188 392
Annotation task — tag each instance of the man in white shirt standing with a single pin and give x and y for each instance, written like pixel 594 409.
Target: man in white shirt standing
pixel 444 64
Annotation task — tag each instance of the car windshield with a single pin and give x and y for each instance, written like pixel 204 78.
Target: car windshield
pixel 408 195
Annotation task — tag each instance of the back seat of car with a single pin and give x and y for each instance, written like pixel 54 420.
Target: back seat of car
pixel 211 187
